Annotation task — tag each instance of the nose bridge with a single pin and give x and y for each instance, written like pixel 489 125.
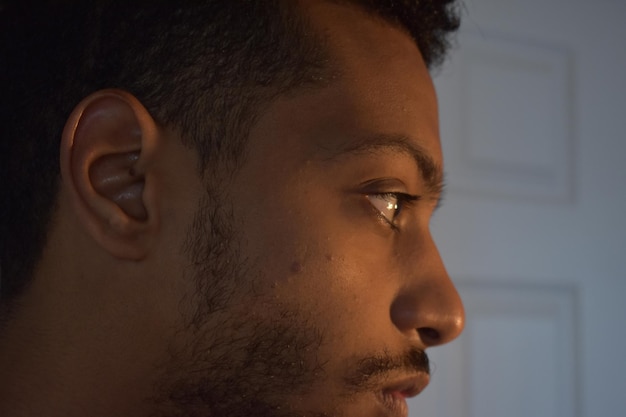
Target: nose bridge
pixel 427 305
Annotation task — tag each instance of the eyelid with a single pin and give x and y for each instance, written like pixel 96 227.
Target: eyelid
pixel 383 185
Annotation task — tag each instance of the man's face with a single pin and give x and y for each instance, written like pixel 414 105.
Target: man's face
pixel 324 287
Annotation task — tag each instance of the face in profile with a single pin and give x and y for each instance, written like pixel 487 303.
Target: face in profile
pixel 318 286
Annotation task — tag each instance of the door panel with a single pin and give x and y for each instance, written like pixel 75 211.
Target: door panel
pixel 532 228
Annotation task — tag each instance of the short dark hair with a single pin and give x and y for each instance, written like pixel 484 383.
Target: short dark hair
pixel 202 67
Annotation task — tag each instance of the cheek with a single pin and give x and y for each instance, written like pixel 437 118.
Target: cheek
pixel 313 251
pixel 337 282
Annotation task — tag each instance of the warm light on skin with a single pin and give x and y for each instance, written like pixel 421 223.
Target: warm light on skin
pixel 300 198
pixel 309 274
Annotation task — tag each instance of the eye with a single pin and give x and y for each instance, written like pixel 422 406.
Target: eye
pixel 390 205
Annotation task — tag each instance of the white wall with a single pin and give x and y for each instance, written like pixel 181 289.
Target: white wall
pixel 533 228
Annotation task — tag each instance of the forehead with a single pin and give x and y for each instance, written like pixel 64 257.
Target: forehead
pixel 382 88
pixel 381 72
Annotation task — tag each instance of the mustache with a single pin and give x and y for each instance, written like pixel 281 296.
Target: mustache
pixel 370 370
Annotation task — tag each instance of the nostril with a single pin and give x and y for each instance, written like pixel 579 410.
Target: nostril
pixel 429 336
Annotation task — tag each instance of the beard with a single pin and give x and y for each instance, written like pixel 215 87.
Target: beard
pixel 230 360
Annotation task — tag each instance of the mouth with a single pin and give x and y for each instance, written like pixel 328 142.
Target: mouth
pixel 393 396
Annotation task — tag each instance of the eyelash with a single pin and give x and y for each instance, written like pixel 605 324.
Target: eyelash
pixel 402 201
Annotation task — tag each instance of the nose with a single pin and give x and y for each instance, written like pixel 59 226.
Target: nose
pixel 428 305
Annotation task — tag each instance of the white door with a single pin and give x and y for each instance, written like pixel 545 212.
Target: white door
pixel 533 228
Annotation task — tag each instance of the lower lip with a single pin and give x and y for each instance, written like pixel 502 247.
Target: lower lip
pixel 395 404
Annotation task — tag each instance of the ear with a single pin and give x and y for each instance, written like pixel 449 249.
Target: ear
pixel 106 153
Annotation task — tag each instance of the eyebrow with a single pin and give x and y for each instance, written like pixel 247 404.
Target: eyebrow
pixel 431 171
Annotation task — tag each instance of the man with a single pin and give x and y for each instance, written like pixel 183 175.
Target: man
pixel 220 208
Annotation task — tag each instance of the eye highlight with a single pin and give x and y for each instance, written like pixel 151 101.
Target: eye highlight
pixel 390 205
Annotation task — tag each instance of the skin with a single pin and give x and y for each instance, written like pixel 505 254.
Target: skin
pixel 309 288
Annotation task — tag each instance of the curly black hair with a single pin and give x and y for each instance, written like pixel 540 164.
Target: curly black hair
pixel 204 67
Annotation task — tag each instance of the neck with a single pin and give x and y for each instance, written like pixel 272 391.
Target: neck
pixel 56 362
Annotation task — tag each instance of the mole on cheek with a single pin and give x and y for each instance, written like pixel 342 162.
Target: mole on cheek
pixel 296 267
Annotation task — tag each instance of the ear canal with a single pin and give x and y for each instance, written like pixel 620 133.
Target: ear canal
pixel 114 177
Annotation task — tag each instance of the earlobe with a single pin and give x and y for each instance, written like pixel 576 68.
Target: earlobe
pixel 106 151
